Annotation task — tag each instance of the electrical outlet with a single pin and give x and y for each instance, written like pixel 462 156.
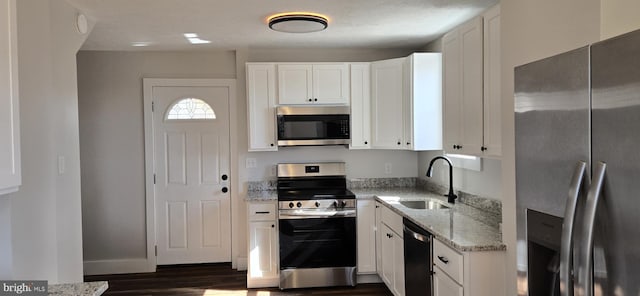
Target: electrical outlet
pixel 251 163
pixel 274 170
pixel 387 168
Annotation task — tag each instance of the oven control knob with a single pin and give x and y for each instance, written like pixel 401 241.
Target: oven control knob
pixel 290 205
pixel 343 203
pixel 299 204
pixel 317 204
pixel 335 204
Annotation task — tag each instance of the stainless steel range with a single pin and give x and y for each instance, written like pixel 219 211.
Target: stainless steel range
pixel 317 219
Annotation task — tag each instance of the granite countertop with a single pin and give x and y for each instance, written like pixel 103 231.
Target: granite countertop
pixel 262 195
pixel 461 227
pixel 79 289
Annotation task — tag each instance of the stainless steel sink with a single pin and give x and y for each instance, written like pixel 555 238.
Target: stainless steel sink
pixel 424 204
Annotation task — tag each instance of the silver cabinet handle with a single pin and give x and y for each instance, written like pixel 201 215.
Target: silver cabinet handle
pixel 418 236
pixel 578 185
pixel 586 248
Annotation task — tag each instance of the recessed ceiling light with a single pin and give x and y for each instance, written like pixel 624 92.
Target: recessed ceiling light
pixel 194 39
pixel 140 43
pixel 298 22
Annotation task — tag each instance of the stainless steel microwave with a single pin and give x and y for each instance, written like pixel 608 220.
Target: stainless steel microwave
pixel 313 126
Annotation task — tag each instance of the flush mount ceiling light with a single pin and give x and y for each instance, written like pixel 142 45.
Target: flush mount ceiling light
pixel 298 22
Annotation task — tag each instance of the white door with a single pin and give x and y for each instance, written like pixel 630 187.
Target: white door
pixel 191 144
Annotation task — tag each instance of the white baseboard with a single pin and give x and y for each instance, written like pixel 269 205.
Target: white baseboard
pixel 116 266
pixel 242 263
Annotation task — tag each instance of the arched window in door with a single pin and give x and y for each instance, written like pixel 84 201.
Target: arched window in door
pixel 190 109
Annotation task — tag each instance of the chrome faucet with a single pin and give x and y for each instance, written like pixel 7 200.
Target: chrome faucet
pixel 451 198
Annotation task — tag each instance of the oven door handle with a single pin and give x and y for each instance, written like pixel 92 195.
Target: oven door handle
pixel 286 215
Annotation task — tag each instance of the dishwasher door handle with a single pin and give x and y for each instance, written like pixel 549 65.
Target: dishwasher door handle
pixel 418 236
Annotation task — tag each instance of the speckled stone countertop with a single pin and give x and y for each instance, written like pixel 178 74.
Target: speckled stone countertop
pixel 79 289
pixel 264 195
pixel 462 227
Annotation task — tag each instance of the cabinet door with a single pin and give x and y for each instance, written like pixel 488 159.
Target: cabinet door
pixel 472 86
pixel 263 260
pixel 331 84
pixel 10 171
pixel 387 104
pixel 295 84
pixel 387 257
pixel 398 264
pixel 366 236
pixel 261 93
pixel 360 106
pixel 380 235
pixel 492 99
pixel 451 90
pixel 445 286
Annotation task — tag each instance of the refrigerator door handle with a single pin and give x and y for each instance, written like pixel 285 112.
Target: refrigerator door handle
pixel 585 275
pixel 578 183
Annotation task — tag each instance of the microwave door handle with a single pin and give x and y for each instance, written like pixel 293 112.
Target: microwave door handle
pixel 578 185
pixel 585 268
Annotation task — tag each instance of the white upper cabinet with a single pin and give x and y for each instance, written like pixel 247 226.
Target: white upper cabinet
pixel 406 103
pixel 261 113
pixel 326 83
pixel 463 92
pixel 360 106
pixel 10 172
pixel 423 102
pixel 471 62
pixel 492 95
pixel 387 109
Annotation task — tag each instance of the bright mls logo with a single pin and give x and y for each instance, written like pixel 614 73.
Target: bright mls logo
pixel 23 288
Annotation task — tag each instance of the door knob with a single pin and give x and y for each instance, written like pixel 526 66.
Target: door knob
pixel 225 189
pixel 224 177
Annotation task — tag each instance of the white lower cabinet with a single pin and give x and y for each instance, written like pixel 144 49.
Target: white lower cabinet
pixel 467 273
pixel 366 229
pixel 392 251
pixel 443 285
pixel 262 270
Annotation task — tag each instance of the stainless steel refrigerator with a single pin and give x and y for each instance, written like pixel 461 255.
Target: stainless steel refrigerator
pixel 577 131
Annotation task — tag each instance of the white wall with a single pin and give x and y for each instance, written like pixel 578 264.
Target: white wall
pixel 532 30
pixel 112 141
pixel 6 252
pixel 45 214
pixel 618 16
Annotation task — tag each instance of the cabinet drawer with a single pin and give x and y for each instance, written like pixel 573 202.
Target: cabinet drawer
pixel 450 261
pixel 393 220
pixel 443 285
pixel 262 211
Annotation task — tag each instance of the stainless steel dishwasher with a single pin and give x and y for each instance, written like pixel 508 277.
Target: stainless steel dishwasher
pixel 418 264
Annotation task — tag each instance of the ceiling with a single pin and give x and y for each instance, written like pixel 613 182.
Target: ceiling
pixel 230 24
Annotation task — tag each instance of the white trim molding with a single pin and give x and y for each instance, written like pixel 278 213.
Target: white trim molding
pixel 98 267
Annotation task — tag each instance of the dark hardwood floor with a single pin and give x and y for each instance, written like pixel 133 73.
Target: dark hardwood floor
pixel 211 279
